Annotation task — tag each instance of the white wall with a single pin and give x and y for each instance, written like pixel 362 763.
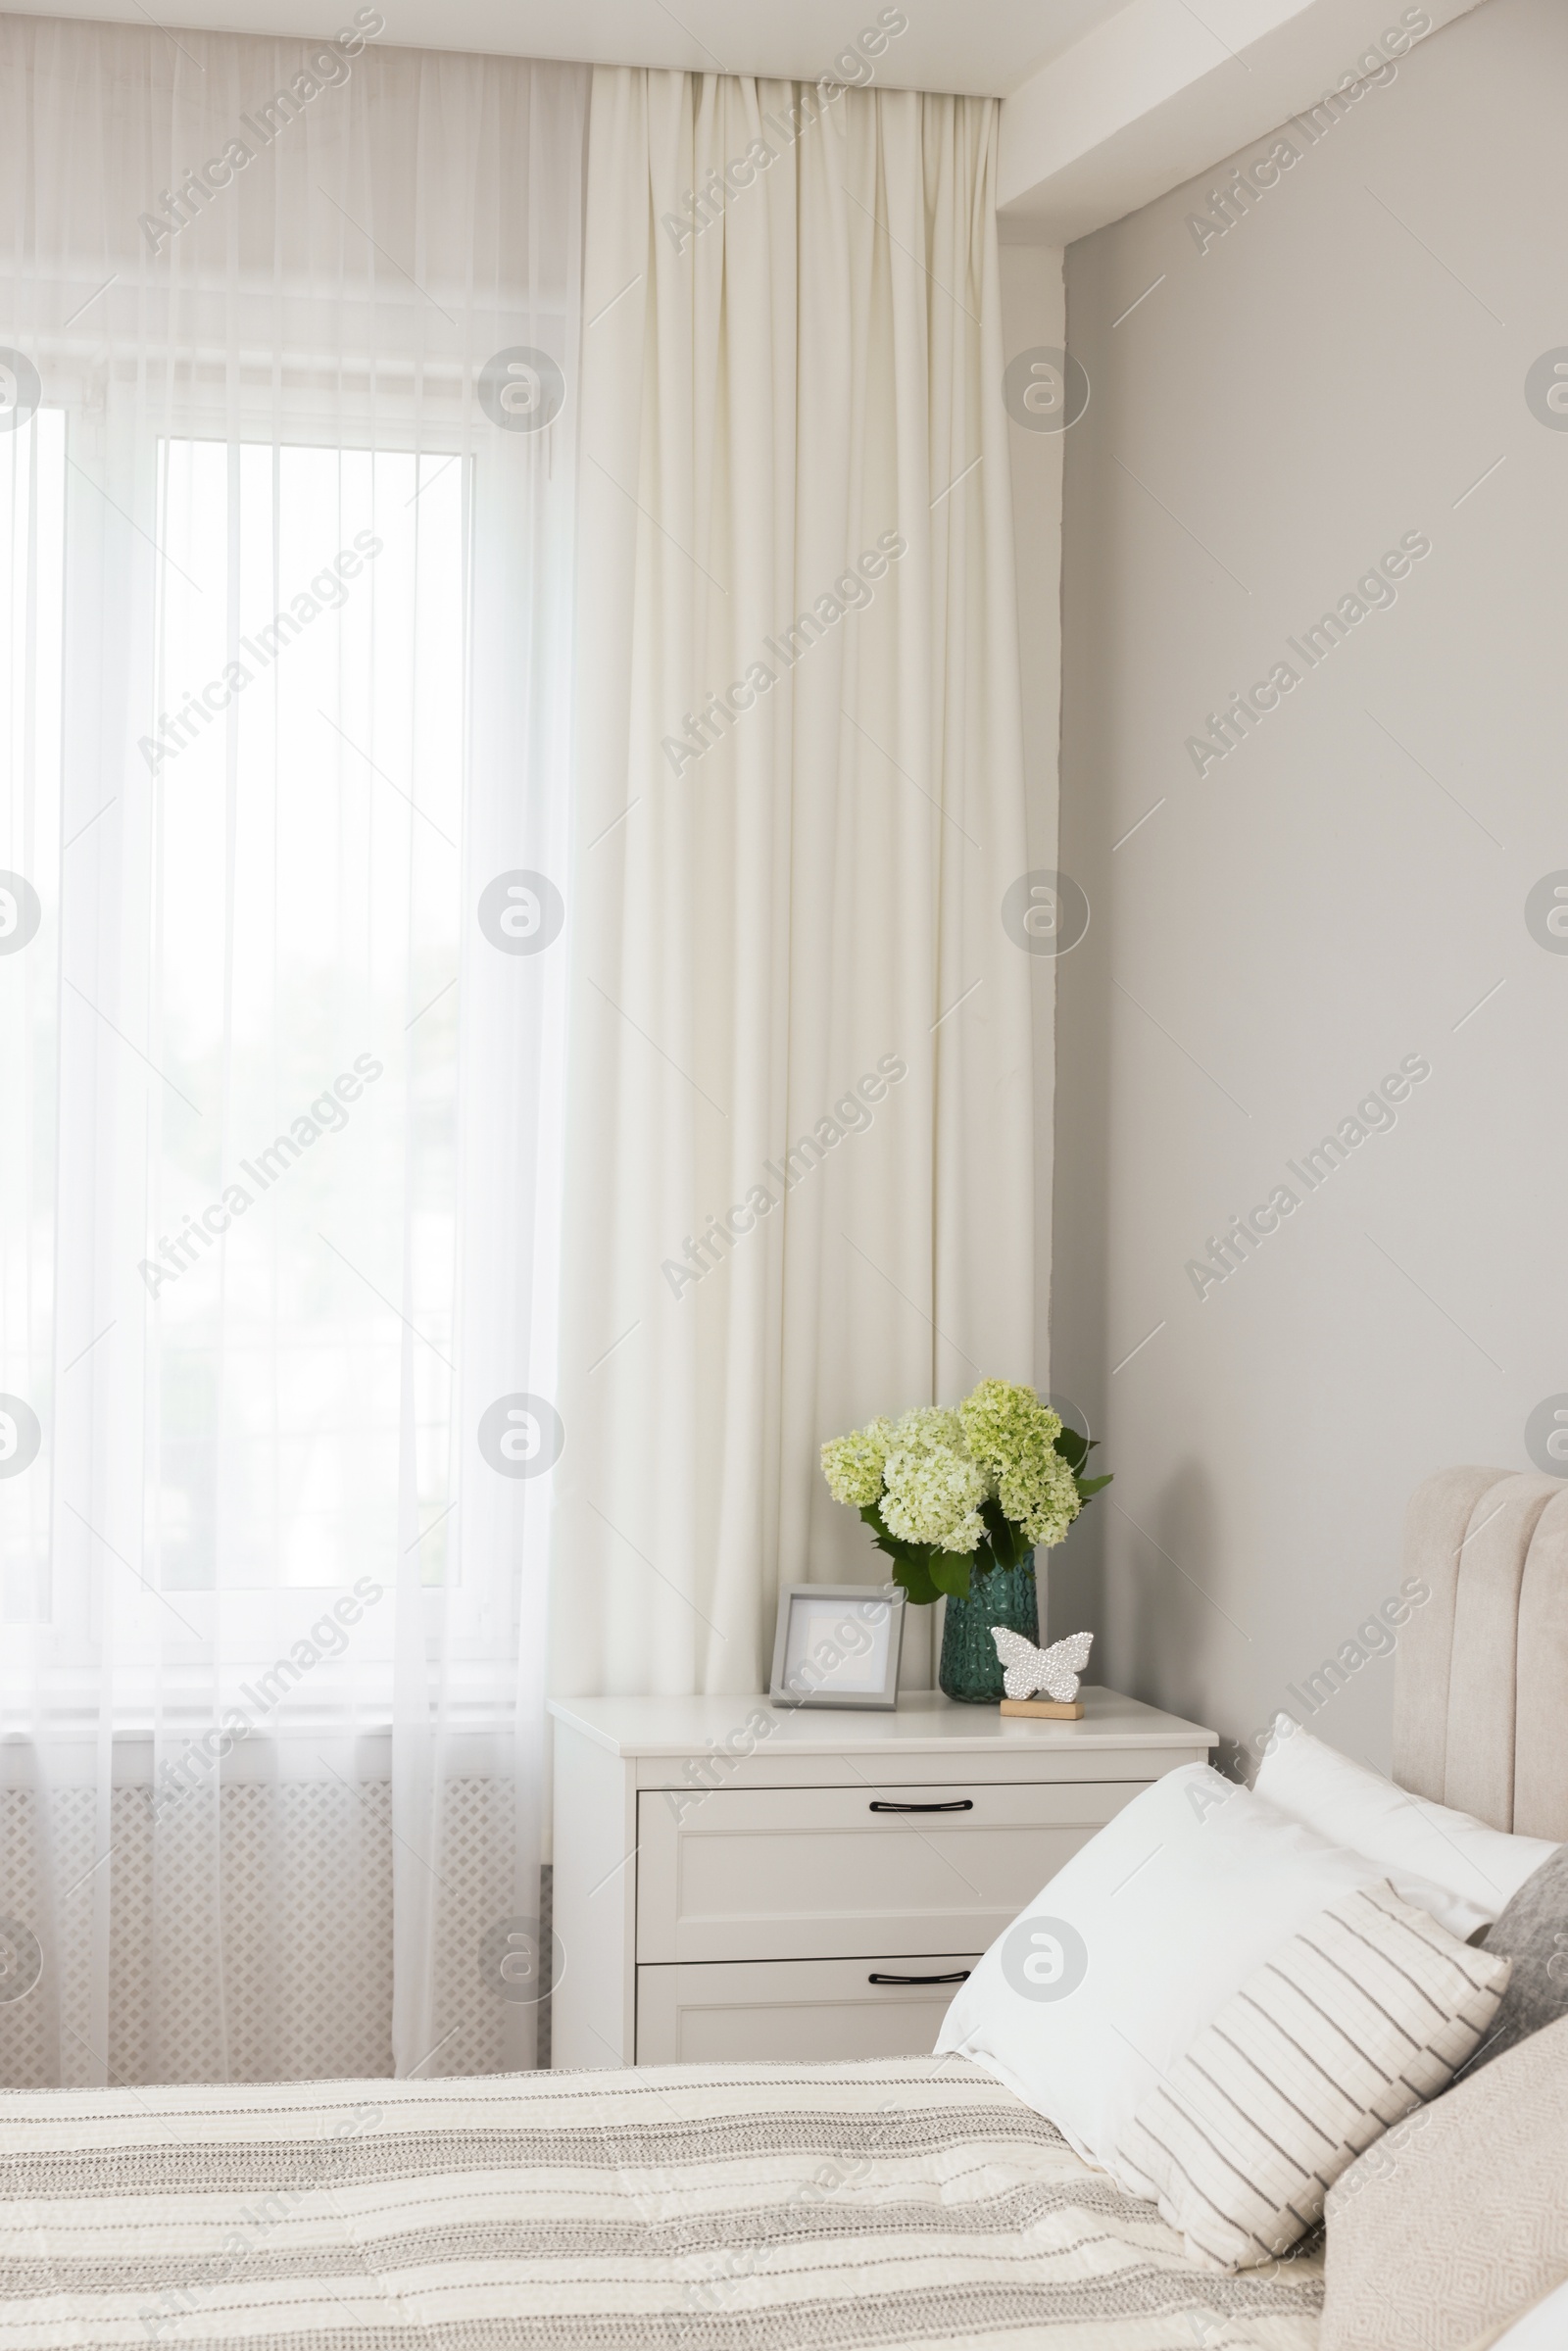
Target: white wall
pixel 1341 891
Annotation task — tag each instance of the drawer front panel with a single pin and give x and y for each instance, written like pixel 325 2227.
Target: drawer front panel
pixel 827 1873
pixel 802 2011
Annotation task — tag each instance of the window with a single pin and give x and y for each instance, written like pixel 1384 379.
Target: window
pixel 311 653
pixel 282 1107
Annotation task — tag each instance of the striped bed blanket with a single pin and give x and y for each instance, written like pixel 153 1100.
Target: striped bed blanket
pixel 675 2208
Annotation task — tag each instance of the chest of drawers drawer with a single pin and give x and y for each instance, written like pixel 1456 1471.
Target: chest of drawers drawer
pixel 795 2011
pixel 820 1873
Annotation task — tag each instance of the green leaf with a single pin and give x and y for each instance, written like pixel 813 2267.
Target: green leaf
pixel 1092 1485
pixel 917 1583
pixel 1008 1545
pixel 949 1572
pixel 1072 1448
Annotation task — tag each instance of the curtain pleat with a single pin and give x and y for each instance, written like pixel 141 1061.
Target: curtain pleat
pixel 798 1144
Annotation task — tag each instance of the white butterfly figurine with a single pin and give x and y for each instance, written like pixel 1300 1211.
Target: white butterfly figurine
pixel 1054 1670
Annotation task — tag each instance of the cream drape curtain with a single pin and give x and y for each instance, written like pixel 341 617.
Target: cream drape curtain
pixel 799 1165
pixel 285 594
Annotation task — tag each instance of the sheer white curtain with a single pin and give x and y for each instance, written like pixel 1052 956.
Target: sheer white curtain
pixel 801 1186
pixel 286 478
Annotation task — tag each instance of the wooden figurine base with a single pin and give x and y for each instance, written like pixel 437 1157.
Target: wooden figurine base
pixel 1046 1707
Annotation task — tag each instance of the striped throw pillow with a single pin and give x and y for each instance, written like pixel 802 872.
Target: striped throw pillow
pixel 1372 2008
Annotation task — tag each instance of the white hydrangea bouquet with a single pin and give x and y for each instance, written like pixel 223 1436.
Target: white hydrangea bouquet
pixel 946 1491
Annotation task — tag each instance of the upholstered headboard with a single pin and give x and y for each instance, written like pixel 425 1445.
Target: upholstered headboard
pixel 1480 1678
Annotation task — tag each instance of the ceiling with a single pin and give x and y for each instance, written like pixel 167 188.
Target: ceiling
pixel 982 47
pixel 1106 103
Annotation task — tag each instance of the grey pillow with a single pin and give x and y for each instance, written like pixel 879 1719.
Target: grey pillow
pixel 1532 1932
pixel 1455 2219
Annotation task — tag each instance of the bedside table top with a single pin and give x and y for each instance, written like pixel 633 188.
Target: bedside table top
pixel 924 1722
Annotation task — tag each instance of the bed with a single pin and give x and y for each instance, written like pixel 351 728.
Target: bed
pixel 760 2208
pixel 683 2208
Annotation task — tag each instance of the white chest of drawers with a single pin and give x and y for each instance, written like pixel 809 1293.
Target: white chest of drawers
pixel 737 1881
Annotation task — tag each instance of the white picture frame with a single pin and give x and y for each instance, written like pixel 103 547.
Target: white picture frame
pixel 838 1645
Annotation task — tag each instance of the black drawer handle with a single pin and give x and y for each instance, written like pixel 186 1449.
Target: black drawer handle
pixel 964 1804
pixel 962 1977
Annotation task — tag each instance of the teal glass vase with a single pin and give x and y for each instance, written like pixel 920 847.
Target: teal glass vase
pixel 970 1670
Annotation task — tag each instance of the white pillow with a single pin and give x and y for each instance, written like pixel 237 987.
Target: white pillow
pixel 1090 1996
pixel 1352 1805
